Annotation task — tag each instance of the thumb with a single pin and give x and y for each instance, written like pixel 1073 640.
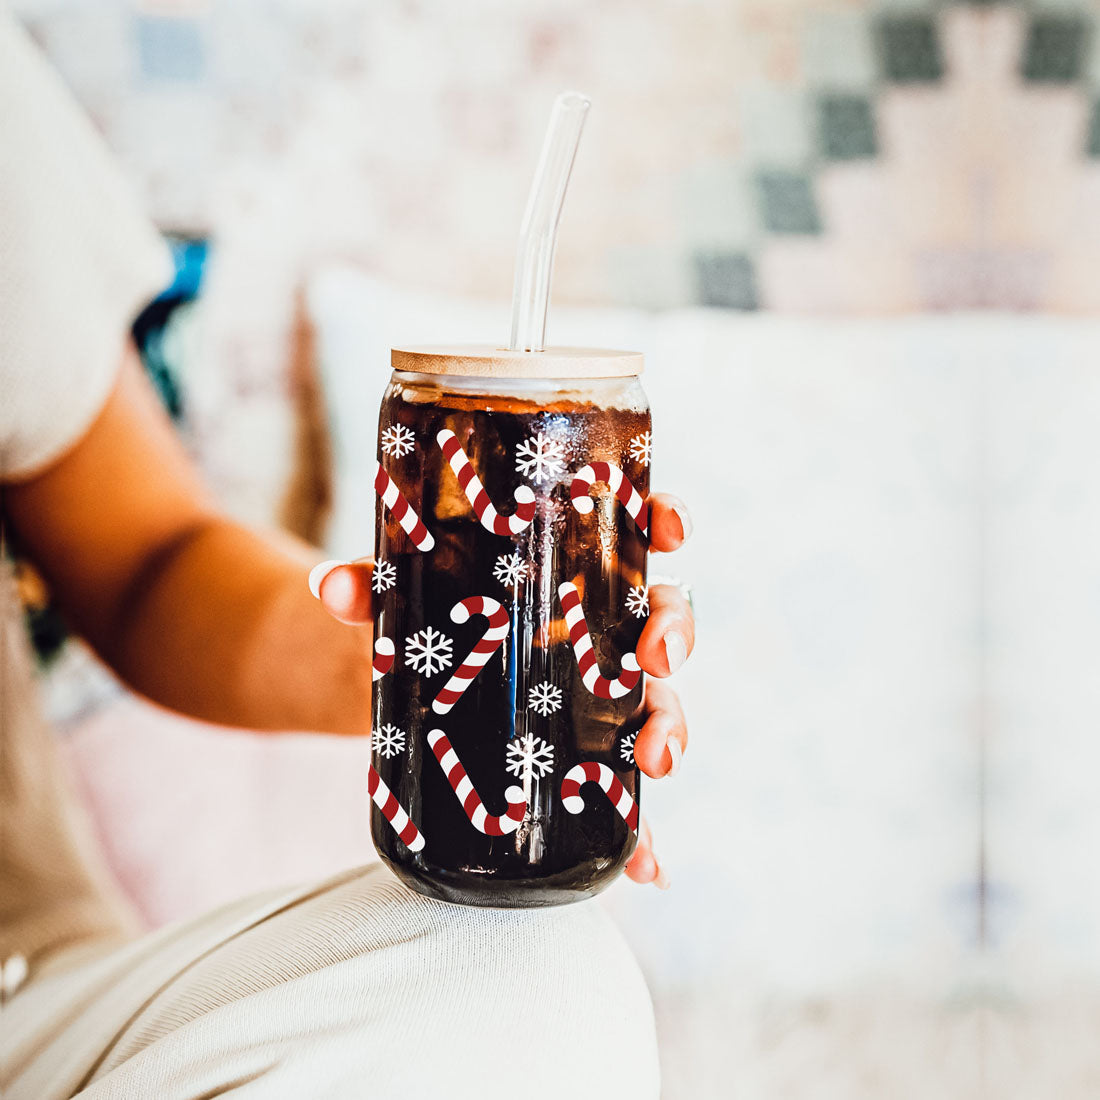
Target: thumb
pixel 343 587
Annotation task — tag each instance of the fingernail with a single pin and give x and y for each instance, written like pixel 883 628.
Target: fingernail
pixel 681 510
pixel 318 573
pixel 675 754
pixel 662 880
pixel 13 973
pixel 676 650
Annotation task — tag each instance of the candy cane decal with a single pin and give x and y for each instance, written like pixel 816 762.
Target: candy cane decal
pixel 620 485
pixel 487 645
pixel 393 811
pixel 396 501
pixel 479 498
pixel 591 676
pixel 592 772
pixel 464 790
pixel 383 657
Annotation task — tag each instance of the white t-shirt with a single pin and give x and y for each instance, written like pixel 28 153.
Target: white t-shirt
pixel 77 262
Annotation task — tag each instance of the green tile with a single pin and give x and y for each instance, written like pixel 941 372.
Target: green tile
pixel 726 279
pixel 717 205
pixel 1061 7
pixel 652 276
pixel 1092 145
pixel 776 125
pixel 1090 68
pixel 838 51
pixel 846 126
pixel 909 49
pixel 1056 48
pixel 171 48
pixel 787 202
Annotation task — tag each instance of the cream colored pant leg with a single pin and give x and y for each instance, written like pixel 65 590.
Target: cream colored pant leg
pixel 357 988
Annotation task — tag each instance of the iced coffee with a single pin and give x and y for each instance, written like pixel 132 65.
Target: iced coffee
pixel 510 593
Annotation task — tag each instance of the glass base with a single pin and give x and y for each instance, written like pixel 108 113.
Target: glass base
pixel 495 892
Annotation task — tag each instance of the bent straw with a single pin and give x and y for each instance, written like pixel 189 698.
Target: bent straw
pixel 539 230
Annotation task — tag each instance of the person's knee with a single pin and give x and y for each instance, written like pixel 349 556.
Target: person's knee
pixel 548 1000
pixel 365 988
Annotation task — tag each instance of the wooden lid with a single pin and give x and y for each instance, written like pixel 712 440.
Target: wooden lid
pixel 473 361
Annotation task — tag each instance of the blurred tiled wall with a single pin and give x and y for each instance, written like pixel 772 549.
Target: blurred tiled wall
pixel 858 156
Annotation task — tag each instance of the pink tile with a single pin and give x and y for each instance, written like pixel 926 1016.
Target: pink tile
pixel 858 202
pixel 821 277
pixel 981 278
pixel 1074 285
pixel 1033 164
pixel 982 46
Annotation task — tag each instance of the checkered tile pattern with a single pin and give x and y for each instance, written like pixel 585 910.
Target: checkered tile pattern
pixel 881 155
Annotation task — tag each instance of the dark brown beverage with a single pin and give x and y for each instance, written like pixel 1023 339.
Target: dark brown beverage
pixel 510 579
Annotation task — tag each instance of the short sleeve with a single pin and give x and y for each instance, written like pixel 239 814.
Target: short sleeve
pixel 78 261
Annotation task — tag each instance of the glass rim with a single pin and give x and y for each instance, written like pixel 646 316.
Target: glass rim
pixel 486 361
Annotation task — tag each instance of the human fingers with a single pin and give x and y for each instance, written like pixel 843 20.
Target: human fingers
pixel 343 587
pixel 643 866
pixel 669 634
pixel 661 742
pixel 670 523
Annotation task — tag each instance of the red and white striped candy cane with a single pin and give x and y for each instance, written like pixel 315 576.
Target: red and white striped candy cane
pixel 383 657
pixel 487 645
pixel 621 486
pixel 460 783
pixel 592 772
pixel 479 498
pixel 393 811
pixel 396 501
pixel 591 676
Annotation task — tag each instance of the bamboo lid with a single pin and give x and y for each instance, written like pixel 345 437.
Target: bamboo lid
pixel 474 361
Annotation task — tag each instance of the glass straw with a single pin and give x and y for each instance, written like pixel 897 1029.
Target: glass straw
pixel 539 231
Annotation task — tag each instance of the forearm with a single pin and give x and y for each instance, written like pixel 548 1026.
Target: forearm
pixel 195 611
pixel 220 624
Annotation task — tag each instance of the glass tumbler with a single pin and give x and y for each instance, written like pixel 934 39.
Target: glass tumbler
pixel 510 592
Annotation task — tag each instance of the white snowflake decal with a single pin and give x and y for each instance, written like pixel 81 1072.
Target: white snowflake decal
pixel 637 601
pixel 397 440
pixel 641 447
pixel 384 576
pixel 544 698
pixel 389 740
pixel 540 458
pixel 626 747
pixel 510 570
pixel 530 755
pixel 428 651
